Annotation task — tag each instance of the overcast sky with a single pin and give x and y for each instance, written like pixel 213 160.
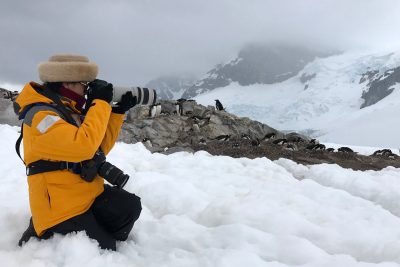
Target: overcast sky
pixel 135 41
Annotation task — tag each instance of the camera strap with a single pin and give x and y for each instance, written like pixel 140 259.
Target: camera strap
pixel 41 166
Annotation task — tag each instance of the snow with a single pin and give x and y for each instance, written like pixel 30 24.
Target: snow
pixel 203 210
pixel 11 86
pixel 329 108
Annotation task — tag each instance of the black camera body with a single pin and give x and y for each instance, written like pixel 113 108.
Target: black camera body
pixel 99 166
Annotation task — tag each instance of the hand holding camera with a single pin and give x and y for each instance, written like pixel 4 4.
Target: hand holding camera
pixel 100 89
pixel 127 102
pixel 126 97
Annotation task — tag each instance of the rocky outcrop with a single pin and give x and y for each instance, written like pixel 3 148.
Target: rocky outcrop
pixel 7 115
pixel 378 85
pixel 186 124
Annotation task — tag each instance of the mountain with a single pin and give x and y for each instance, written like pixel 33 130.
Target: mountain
pixel 351 98
pixel 171 87
pixel 256 64
pixel 379 85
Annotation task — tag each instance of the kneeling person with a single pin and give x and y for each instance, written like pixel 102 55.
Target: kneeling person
pixel 62 132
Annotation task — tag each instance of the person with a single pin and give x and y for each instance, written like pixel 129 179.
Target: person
pixel 62 133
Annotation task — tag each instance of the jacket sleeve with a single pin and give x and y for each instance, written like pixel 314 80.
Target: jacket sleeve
pixel 113 128
pixel 55 139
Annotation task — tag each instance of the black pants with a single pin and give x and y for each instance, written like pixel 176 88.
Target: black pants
pixel 110 218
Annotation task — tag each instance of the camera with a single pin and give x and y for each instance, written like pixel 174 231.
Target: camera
pixel 144 96
pixel 99 165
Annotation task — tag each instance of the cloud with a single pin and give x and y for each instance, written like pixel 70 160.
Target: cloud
pixel 135 41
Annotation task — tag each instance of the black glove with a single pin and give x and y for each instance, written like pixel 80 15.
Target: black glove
pixel 127 102
pixel 99 89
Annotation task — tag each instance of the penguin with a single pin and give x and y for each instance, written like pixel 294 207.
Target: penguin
pixel 245 136
pixel 202 141
pixel 319 147
pixel 255 142
pixel 280 141
pixel 178 106
pixel 310 146
pixel 236 145
pixel 269 136
pixel 316 147
pixel 291 147
pixel 314 141
pixel 295 139
pixel 345 149
pixel 330 149
pixel 153 111
pixel 158 109
pixel 387 152
pixel 223 137
pixel 218 105
pixel 146 141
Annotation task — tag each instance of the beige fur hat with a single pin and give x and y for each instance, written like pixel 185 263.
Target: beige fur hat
pixel 67 68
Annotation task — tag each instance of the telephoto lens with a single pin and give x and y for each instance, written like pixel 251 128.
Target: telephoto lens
pixel 144 96
pixel 113 175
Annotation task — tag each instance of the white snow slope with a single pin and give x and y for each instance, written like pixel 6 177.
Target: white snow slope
pixel 329 108
pixel 203 210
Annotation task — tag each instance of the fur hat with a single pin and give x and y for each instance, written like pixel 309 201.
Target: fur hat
pixel 67 68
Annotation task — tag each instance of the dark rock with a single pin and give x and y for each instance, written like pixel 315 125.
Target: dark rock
pixel 379 86
pixel 307 77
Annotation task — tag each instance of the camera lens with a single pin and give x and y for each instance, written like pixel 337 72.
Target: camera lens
pixel 113 174
pixel 144 96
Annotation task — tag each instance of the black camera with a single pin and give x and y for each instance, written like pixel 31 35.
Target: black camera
pixel 99 165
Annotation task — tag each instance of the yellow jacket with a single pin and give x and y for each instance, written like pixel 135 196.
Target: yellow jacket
pixel 59 195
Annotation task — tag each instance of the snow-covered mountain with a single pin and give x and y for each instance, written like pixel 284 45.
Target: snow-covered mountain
pixel 256 64
pixel 351 98
pixel 171 87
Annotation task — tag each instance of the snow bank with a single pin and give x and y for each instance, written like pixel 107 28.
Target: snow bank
pixel 202 210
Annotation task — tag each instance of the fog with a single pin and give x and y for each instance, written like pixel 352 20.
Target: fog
pixel 136 41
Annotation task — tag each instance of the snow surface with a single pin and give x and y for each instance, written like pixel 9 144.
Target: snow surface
pixel 329 108
pixel 11 86
pixel 203 210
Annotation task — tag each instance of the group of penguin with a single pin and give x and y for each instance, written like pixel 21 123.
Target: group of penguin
pixel 155 110
pixel 289 143
pixel 387 153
